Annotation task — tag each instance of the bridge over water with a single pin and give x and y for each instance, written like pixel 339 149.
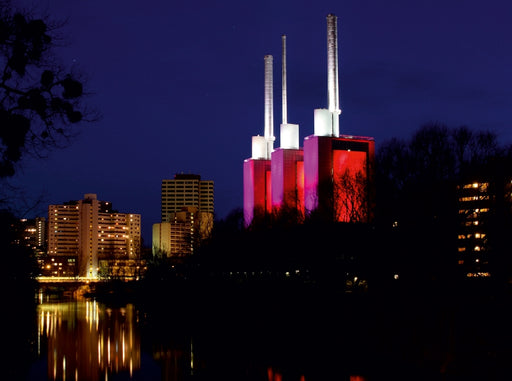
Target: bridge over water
pixel 68 286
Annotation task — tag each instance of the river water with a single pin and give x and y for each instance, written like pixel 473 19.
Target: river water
pixel 84 339
pixel 287 340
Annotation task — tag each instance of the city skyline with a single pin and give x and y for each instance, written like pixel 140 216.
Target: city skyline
pixel 191 77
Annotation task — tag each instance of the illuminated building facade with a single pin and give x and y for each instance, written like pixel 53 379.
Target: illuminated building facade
pixel 485 216
pixel 287 178
pixel 257 169
pixel 474 209
pixel 32 233
pixel 40 239
pixel 257 191
pixel 178 237
pixel 331 174
pixel 186 190
pixel 187 215
pixel 83 233
pixel 287 161
pixel 476 202
pixel 338 176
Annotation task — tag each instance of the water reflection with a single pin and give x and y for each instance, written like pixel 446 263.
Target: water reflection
pixel 85 340
pixel 88 340
pixel 246 337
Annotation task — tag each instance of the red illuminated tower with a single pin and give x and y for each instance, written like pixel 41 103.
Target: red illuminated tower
pixel 337 169
pixel 257 179
pixel 287 164
pixel 338 173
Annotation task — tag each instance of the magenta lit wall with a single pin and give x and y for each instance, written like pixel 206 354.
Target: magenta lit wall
pixel 317 167
pixel 256 188
pixel 327 158
pixel 287 178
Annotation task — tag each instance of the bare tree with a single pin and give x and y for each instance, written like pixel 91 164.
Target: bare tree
pixel 351 196
pixel 40 102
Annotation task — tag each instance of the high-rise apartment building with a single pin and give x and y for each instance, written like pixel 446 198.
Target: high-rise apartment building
pixel 485 221
pixel 476 205
pixel 32 233
pixel 40 225
pixel 186 190
pixel 83 233
pixel 187 215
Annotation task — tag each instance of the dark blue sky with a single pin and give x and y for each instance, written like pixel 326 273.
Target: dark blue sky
pixel 180 85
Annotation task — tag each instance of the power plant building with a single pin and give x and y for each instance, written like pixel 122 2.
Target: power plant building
pixel 32 233
pixel 331 173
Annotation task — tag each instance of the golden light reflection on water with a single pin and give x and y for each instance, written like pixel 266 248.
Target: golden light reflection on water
pixel 86 340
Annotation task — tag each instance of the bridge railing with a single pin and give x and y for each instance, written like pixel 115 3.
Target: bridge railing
pixel 67 279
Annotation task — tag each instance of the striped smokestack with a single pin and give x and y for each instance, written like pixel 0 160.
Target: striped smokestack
pixel 269 105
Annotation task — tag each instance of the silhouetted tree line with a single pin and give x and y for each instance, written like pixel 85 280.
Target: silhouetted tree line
pixel 412 240
pixel 19 269
pixel 18 262
pixel 416 183
pixel 41 103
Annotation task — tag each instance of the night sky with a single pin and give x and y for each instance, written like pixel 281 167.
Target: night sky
pixel 180 85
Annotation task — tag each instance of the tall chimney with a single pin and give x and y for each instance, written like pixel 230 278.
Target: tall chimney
pixel 332 63
pixel 333 103
pixel 289 133
pixel 283 75
pixel 269 105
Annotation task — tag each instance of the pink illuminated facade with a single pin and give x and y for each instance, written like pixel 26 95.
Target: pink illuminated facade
pixel 287 162
pixel 338 174
pixel 332 174
pixel 257 189
pixel 287 176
